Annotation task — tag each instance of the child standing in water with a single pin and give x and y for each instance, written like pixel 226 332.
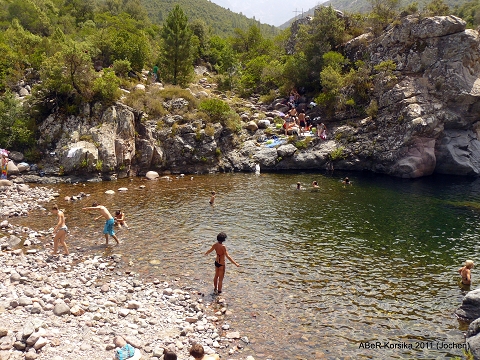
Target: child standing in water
pixel 465 272
pixel 212 198
pixel 222 253
pixel 110 221
pixel 60 231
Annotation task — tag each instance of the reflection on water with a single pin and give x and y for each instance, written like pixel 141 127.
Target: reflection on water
pixel 322 271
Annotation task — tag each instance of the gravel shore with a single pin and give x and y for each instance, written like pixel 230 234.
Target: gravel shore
pixel 69 307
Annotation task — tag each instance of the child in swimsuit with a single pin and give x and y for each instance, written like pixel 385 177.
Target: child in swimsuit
pixel 465 272
pixel 60 231
pixel 212 198
pixel 222 253
pixel 110 221
pixel 120 219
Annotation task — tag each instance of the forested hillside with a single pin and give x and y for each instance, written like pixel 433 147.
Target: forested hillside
pixel 222 21
pixel 68 55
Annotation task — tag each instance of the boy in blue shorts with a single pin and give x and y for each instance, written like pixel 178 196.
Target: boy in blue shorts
pixel 110 221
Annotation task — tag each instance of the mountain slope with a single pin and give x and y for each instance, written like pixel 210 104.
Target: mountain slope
pixel 221 20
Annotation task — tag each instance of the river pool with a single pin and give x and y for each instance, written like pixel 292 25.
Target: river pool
pixel 325 274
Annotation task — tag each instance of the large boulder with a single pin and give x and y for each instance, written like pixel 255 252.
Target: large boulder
pixel 418 160
pixel 428 108
pixel 12 168
pixel 16 156
pixel 82 155
pixel 470 308
pixel 458 152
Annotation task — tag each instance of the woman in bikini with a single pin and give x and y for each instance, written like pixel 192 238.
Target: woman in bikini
pixel 60 231
pixel 222 253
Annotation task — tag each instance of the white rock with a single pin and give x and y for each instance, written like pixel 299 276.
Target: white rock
pixel 152 175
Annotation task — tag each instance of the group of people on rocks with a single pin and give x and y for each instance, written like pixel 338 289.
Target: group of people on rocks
pixel 296 121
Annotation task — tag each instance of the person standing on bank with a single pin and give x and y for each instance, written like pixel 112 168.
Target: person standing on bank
pixel 222 253
pixel 60 231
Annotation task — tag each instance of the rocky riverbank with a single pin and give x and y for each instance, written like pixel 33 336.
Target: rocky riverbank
pixel 74 306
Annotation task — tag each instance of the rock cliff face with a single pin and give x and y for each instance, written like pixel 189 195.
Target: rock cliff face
pixel 428 120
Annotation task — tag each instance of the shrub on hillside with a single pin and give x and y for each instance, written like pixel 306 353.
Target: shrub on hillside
pixel 175 92
pixel 217 109
pixel 106 87
pixel 122 67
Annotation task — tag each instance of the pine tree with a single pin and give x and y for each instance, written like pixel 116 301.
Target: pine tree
pixel 176 58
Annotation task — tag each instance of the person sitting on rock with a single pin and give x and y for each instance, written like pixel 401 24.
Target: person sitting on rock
pixel 198 353
pixel 120 218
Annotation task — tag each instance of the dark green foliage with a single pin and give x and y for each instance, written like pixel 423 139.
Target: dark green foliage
pixel 218 110
pixel 106 87
pixel 122 67
pixel 176 56
pixel 16 131
pixel 221 21
pixel 470 12
pixel 321 35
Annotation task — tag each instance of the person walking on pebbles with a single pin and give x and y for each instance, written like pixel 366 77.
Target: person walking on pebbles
pixel 110 221
pixel 60 231
pixel 222 253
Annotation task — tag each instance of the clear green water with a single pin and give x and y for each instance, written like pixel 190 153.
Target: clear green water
pixel 322 271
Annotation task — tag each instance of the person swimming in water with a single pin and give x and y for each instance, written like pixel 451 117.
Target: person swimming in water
pixel 222 253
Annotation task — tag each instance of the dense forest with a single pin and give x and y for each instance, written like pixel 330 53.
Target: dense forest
pixel 77 52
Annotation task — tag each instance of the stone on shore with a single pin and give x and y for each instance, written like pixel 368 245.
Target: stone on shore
pixel 470 308
pixel 152 175
pixel 61 309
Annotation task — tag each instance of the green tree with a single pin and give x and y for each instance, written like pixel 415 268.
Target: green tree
pixel 437 8
pixel 324 33
pixel 200 31
pixel 470 12
pixel 383 12
pixel 14 126
pixel 176 52
pixel 30 16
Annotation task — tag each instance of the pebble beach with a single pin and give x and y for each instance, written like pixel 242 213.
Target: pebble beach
pixel 65 307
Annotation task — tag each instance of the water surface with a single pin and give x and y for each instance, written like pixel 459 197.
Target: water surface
pixel 323 272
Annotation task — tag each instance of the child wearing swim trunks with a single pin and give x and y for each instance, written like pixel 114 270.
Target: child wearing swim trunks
pixel 222 253
pixel 110 221
pixel 212 198
pixel 465 272
pixel 60 231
